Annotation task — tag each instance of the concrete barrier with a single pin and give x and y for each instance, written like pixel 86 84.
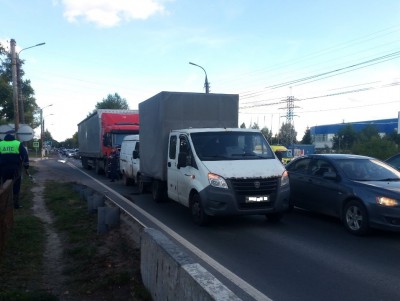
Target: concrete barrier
pixel 170 274
pixel 167 271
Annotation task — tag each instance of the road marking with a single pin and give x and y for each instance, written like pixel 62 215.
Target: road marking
pixel 246 287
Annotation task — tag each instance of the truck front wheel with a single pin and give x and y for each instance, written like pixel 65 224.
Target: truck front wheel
pixel 199 216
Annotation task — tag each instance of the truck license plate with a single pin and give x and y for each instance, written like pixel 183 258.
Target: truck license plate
pixel 255 199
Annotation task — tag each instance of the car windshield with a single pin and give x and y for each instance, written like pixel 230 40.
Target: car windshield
pixel 240 145
pixel 367 170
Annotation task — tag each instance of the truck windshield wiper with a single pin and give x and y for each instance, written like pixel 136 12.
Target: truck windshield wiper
pixel 390 179
pixel 248 155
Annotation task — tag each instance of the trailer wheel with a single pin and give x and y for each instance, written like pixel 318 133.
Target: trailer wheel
pixel 141 185
pixel 158 191
pixel 85 164
pixel 198 215
pixel 98 169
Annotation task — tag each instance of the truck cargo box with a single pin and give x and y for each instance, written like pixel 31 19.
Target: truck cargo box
pixel 168 111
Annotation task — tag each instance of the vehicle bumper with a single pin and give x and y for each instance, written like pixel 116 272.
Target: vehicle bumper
pixel 386 218
pixel 219 202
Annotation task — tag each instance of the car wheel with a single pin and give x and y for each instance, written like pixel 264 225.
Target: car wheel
pixel 274 217
pixel 198 215
pixel 355 218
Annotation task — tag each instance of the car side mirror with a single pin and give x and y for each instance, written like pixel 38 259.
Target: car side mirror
pixel 135 154
pixel 182 160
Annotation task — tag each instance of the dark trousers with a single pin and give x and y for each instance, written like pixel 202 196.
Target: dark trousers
pixel 13 174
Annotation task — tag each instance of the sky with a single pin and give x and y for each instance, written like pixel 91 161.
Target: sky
pixel 338 60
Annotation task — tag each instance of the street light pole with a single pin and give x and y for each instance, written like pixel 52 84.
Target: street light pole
pixel 206 83
pixel 21 102
pixel 42 129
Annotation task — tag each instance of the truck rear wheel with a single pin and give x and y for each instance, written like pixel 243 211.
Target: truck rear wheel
pixel 85 164
pixel 98 168
pixel 158 191
pixel 198 215
pixel 141 185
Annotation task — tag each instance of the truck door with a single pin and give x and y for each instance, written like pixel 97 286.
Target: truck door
pixel 172 170
pixel 186 174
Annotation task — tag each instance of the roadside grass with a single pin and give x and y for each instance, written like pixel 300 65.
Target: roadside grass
pixel 21 263
pixel 96 264
pixel 96 267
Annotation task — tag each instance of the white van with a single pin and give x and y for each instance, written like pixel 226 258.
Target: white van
pixel 129 159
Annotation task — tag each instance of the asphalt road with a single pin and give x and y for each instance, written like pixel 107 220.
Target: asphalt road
pixel 304 257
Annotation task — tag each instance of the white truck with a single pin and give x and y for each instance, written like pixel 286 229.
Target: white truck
pixel 192 151
pixel 129 163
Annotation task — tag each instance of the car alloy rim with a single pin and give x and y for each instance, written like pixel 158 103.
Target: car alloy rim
pixel 354 218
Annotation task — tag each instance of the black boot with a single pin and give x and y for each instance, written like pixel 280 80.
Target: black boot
pixel 16 201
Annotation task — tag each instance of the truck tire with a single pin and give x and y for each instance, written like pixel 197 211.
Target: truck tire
pixel 98 169
pixel 199 217
pixel 158 191
pixel 141 185
pixel 126 180
pixel 85 164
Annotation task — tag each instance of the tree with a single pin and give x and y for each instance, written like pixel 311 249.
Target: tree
pixel 287 134
pixel 6 92
pixel 307 137
pixel 113 102
pixel 267 134
pixel 255 126
pixel 345 138
pixel 375 146
pixel 243 126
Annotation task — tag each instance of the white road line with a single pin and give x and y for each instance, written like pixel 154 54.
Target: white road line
pixel 252 291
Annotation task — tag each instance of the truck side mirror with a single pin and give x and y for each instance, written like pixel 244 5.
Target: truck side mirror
pixel 182 160
pixel 135 154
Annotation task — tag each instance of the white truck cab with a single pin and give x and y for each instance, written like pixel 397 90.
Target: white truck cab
pixel 129 159
pixel 225 172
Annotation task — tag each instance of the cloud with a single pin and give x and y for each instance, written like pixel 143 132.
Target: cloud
pixel 106 13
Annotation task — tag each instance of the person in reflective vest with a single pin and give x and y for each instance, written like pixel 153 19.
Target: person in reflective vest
pixel 13 156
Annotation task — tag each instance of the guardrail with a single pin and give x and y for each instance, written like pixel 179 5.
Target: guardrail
pixel 167 271
pixel 6 212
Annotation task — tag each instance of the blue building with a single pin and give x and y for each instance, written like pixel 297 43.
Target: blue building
pixel 322 135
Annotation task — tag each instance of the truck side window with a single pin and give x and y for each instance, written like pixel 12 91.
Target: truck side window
pixel 184 147
pixel 107 139
pixel 172 147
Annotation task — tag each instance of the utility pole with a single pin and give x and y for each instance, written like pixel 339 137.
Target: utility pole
pixel 15 86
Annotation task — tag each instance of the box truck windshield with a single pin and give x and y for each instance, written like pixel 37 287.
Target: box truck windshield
pixel 214 146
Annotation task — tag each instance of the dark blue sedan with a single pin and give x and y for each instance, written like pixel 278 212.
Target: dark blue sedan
pixel 362 191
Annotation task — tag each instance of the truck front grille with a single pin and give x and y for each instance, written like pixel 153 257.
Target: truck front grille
pixel 255 187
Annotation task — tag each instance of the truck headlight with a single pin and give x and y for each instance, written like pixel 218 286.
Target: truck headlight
pixel 217 181
pixel 284 179
pixel 388 202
